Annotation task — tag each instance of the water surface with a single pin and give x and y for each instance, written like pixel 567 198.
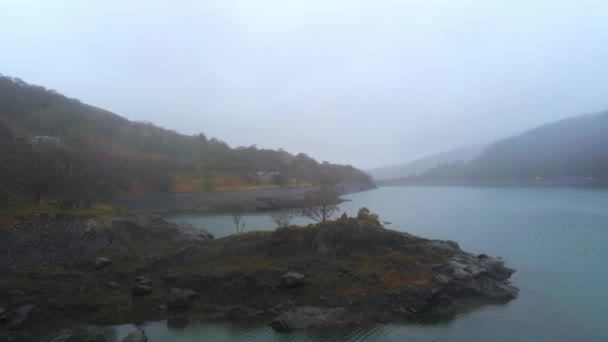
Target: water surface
pixel 556 239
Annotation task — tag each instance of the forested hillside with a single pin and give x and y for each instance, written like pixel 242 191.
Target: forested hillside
pixel 57 148
pixel 570 148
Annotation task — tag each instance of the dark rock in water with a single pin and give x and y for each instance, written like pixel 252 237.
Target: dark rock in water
pixel 178 322
pixel 138 335
pixel 141 290
pixel 21 315
pixel 76 335
pixel 292 280
pixel 102 262
pixel 112 285
pixel 143 280
pixel 2 314
pixel 309 317
pixel 180 299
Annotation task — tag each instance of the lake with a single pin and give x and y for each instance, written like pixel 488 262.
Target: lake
pixel 556 239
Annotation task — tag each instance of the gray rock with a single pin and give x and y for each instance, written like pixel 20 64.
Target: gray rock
pixel 138 335
pixel 102 262
pixel 112 285
pixel 309 317
pixel 143 280
pixel 180 299
pixel 140 290
pixel 21 315
pixel 76 335
pixel 292 280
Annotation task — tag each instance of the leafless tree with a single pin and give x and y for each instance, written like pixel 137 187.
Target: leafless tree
pixel 236 218
pixel 283 217
pixel 320 202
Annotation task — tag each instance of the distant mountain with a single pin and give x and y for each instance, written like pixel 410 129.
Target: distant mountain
pixel 420 166
pixel 572 148
pixel 576 146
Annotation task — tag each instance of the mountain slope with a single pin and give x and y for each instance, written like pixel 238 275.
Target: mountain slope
pixel 49 141
pixel 421 165
pixel 569 148
pixel 576 146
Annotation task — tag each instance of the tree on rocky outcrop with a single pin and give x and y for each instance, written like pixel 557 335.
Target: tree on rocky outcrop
pixel 236 218
pixel 320 202
pixel 283 217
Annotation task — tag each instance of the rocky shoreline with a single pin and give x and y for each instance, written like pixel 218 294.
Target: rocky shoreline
pixel 61 273
pixel 222 201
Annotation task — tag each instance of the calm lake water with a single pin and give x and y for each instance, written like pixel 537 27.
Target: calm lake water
pixel 556 239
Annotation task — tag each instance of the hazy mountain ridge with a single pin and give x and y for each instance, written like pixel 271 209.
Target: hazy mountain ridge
pixel 419 166
pixel 575 147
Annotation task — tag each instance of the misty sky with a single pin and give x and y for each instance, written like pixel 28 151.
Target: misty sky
pixel 368 83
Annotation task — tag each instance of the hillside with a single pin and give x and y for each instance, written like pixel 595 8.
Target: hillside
pixel 573 148
pixel 419 166
pixel 54 144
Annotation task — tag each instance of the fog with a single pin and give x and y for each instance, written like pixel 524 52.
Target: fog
pixel 367 83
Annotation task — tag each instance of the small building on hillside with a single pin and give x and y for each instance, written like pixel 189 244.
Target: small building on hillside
pixel 45 139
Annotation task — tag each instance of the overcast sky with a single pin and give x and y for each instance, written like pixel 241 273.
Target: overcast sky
pixel 368 83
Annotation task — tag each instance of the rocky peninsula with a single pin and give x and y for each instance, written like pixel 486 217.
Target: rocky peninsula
pixel 60 273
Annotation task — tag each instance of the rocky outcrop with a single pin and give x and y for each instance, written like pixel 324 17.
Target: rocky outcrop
pixel 351 270
pixel 65 241
pixel 180 298
pixel 102 262
pixel 20 315
pixel 292 280
pixel 310 317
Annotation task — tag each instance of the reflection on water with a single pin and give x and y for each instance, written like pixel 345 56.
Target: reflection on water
pixel 159 331
pixel 556 239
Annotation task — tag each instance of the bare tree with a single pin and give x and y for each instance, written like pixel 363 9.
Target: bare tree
pixel 283 217
pixel 320 202
pixel 236 218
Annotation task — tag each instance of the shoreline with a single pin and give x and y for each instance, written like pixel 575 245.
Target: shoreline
pixel 222 201
pixel 582 182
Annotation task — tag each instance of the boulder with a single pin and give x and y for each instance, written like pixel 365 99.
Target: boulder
pixel 102 262
pixel 138 335
pixel 112 285
pixel 309 317
pixel 143 280
pixel 76 335
pixel 292 280
pixel 180 299
pixel 140 290
pixel 21 315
